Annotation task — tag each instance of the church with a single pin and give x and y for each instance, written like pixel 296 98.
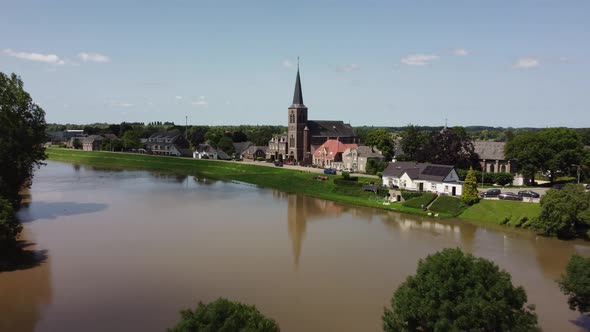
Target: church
pixel 305 136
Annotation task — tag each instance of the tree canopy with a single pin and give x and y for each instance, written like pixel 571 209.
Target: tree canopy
pixel 470 195
pixel 564 212
pixel 575 283
pixel 453 291
pixel 381 139
pixel 22 134
pixel 224 316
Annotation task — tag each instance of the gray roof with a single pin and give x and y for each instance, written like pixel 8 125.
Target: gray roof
pixel 253 148
pixel 329 128
pixel 298 93
pixel 165 135
pixel 92 138
pixel 222 155
pixel 418 171
pixel 205 148
pixel 241 146
pixel 489 150
pixel 367 152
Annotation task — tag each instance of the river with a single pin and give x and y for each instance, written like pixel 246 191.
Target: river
pixel 127 250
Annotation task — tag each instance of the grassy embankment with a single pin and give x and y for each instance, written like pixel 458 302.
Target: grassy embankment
pixel 294 181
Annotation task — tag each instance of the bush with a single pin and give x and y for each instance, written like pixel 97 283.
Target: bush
pixel 380 174
pixel 575 284
pixel 344 182
pixel 406 194
pixel 488 178
pixel 453 291
pixel 345 175
pixel 260 159
pixel 505 221
pixel 224 315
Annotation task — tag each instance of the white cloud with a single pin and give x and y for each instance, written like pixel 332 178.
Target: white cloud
pixel 178 97
pixel 202 103
pixel 460 52
pixel 349 68
pixel 123 104
pixel 419 59
pixel 527 63
pixel 94 57
pixel 46 58
pixel 288 63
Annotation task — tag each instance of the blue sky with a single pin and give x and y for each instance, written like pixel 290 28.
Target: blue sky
pixel 383 63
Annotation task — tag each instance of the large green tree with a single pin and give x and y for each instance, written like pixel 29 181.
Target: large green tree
pixel 413 142
pixel 22 134
pixel 224 316
pixel 381 139
pixel 564 212
pixel 451 146
pixel 10 227
pixel 453 291
pixel 575 283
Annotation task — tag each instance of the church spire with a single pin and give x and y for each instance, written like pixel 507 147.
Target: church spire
pixel 298 94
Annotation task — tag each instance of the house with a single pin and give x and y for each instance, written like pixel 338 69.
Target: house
pixel 168 144
pixel 492 160
pixel 330 153
pixel 205 151
pixel 356 159
pixel 92 142
pixel 240 147
pixel 277 148
pixel 409 175
pixel 254 152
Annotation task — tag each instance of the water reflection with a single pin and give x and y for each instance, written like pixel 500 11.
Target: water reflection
pixel 53 210
pixel 24 295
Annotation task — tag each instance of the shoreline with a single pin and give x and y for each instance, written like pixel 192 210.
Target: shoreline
pixel 266 176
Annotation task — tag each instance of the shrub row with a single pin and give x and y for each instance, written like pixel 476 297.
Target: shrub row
pixel 489 178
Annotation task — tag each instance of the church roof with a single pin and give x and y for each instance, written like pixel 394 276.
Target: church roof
pixel 330 128
pixel 298 94
pixel 489 150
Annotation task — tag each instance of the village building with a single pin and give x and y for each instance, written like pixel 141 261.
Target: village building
pixel 254 152
pixel 356 158
pixel 491 157
pixel 92 142
pixel 409 175
pixel 330 153
pixel 304 136
pixel 168 144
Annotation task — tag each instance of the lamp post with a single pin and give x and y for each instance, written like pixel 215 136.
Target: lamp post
pixel 578 166
pixel 483 170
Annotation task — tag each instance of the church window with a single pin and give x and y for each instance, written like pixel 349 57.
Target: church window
pixel 292 141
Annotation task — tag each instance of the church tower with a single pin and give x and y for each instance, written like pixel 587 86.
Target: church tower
pixel 297 142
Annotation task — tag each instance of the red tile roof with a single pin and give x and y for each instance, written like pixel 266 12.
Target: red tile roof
pixel 333 147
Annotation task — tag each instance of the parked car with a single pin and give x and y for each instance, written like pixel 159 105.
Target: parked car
pixel 510 197
pixel 558 186
pixel 278 163
pixel 587 186
pixel 347 170
pixel 329 171
pixel 491 193
pixel 528 193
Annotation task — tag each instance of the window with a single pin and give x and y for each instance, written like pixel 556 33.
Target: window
pixel 433 186
pixel 292 141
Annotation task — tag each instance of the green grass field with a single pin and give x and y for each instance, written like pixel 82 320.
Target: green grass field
pixel 494 211
pixel 447 204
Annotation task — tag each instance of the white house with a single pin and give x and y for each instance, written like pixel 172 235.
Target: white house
pixel 439 179
pixel 205 151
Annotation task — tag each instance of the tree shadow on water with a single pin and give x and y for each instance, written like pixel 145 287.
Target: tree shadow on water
pixel 583 322
pixel 53 210
pixel 21 258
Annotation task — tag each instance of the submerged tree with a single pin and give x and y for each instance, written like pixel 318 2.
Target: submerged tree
pixel 565 212
pixel 575 283
pixel 22 134
pixel 224 316
pixel 452 291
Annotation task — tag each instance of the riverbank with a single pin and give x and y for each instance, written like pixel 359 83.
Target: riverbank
pixel 290 181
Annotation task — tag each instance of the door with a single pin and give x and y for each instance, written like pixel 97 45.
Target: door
pixel 421 186
pixel 454 191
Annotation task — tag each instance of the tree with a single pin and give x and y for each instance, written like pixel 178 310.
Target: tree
pixel 77 144
pixel 381 139
pixel 566 148
pixel 131 139
pixel 470 195
pixel 10 227
pixel 451 146
pixel 452 291
pixel 412 143
pixel 564 212
pixel 575 283
pixel 224 316
pixel 225 143
pixel 22 134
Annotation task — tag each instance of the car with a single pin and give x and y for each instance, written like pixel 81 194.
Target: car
pixel 278 164
pixel 510 197
pixel 347 170
pixel 528 193
pixel 587 186
pixel 491 193
pixel 558 186
pixel 329 171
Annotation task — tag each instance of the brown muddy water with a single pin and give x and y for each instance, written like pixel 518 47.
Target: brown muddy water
pixel 129 249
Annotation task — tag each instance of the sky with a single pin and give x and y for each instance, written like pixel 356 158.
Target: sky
pixel 383 63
